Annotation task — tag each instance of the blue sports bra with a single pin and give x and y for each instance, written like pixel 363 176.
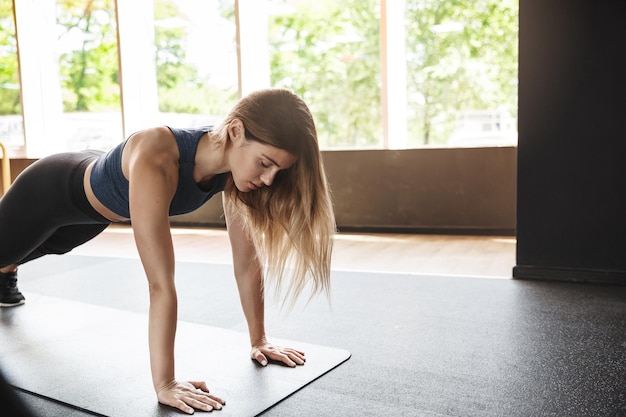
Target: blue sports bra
pixel 111 187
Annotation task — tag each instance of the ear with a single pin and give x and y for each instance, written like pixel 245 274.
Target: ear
pixel 236 130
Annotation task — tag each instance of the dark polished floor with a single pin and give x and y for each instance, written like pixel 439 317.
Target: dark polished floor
pixel 425 344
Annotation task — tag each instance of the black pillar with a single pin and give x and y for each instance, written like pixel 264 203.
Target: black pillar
pixel 571 211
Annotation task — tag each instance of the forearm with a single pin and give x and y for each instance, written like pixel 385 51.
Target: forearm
pixel 159 267
pixel 161 335
pixel 248 273
pixel 250 285
pixel 251 294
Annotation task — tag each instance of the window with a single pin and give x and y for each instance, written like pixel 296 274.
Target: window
pixel 196 61
pixel 461 75
pixel 376 73
pixel 329 53
pixel 11 129
pixel 86 43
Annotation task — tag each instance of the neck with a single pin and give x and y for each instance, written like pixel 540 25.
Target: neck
pixel 210 159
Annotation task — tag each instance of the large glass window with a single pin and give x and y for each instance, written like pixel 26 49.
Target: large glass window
pixel 196 61
pixel 376 73
pixel 458 69
pixel 89 73
pixel 329 53
pixel 11 123
pixel 461 62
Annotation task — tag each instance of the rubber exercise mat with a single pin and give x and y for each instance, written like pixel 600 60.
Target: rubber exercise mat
pixel 96 358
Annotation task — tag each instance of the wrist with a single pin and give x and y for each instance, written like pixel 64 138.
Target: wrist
pixel 256 331
pixel 163 385
pixel 258 341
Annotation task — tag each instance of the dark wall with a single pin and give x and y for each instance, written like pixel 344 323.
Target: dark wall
pixel 464 191
pixel 571 201
pixel 425 190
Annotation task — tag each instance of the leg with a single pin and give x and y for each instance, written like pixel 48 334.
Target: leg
pixel 64 239
pixel 24 225
pixel 45 211
pixel 45 198
pixel 61 241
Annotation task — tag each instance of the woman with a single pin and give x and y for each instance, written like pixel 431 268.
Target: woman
pixel 264 157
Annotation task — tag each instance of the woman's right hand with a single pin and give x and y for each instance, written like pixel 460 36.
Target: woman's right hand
pixel 189 396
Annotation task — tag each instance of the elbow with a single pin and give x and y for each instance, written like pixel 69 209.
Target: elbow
pixel 161 292
pixel 252 269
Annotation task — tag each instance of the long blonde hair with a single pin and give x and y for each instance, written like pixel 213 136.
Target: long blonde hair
pixel 292 222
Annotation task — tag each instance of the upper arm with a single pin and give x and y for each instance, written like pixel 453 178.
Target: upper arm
pixel 150 161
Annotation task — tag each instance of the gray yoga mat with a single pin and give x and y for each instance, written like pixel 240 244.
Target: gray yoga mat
pixel 96 358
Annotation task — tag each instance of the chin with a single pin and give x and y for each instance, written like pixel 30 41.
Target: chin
pixel 244 189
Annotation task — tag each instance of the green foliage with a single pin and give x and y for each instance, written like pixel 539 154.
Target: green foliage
pixel 328 52
pixel 180 88
pixel 170 52
pixel 90 70
pixel 9 75
pixel 471 67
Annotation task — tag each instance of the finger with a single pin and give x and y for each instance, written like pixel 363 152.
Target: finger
pixel 283 357
pixel 259 357
pixel 298 359
pixel 201 385
pixel 216 399
pixel 205 399
pixel 203 393
pixel 297 353
pixel 289 361
pixel 182 406
pixel 200 405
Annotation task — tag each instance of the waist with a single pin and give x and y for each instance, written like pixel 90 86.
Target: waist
pixel 93 200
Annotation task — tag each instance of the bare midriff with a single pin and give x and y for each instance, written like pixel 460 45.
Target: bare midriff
pixel 93 200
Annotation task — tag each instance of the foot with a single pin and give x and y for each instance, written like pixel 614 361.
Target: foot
pixel 10 296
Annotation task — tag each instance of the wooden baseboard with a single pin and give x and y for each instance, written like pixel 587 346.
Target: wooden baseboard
pixel 419 230
pixel 596 276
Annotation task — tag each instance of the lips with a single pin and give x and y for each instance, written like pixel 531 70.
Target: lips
pixel 253 186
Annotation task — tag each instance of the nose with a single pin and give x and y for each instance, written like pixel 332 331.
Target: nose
pixel 268 177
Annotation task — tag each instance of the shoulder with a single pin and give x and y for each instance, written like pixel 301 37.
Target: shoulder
pixel 153 141
pixel 154 146
pixel 155 137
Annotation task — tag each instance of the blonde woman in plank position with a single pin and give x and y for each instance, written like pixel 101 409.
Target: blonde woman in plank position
pixel 265 159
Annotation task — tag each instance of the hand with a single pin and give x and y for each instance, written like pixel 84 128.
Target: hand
pixel 290 357
pixel 189 396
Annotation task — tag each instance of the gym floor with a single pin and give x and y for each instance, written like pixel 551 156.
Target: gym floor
pixel 486 256
pixel 436 327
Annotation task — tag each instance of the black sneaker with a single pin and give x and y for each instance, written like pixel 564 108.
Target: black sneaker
pixel 10 296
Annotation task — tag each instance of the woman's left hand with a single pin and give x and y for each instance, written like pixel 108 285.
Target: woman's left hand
pixel 264 351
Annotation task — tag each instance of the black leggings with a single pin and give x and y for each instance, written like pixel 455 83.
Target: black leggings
pixel 45 211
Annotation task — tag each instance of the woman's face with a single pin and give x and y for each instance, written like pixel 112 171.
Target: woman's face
pixel 254 164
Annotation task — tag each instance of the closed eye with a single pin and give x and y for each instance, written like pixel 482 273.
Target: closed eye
pixel 272 162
